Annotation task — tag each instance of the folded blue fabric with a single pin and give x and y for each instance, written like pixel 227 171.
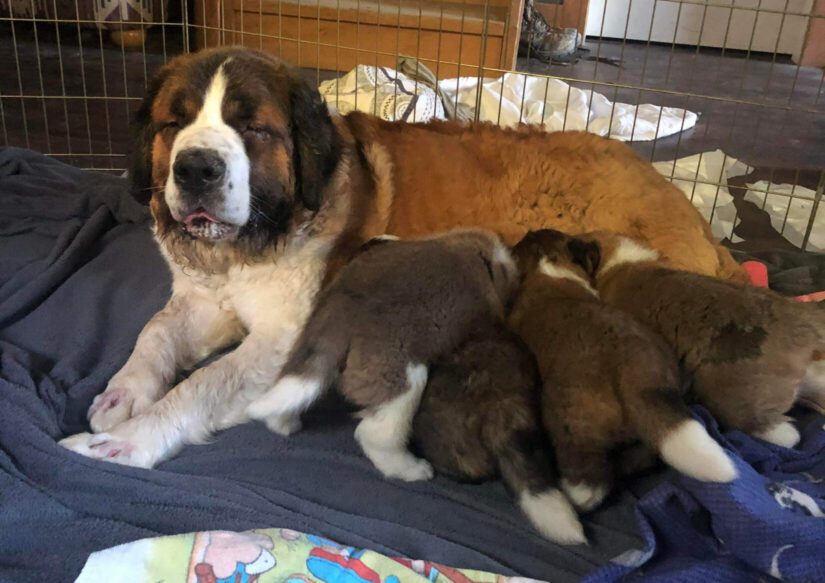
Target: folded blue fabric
pixel 770 523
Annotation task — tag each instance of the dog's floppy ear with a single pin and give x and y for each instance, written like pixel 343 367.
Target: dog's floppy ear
pixel 143 134
pixel 317 148
pixel 585 254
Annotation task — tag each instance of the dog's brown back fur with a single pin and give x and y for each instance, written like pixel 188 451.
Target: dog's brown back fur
pixel 437 176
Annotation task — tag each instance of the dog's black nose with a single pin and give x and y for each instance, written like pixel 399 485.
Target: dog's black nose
pixel 198 168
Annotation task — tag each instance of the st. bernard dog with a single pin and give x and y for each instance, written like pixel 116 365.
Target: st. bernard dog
pixel 258 194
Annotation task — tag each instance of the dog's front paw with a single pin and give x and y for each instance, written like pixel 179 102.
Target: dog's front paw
pixel 115 405
pixel 122 446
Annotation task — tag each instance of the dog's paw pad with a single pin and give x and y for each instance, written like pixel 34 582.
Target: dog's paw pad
pixel 102 446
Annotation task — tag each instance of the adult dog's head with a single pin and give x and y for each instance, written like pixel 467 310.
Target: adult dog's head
pixel 231 145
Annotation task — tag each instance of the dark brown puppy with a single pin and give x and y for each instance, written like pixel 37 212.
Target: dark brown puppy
pixel 394 309
pixel 479 417
pixel 751 352
pixel 607 380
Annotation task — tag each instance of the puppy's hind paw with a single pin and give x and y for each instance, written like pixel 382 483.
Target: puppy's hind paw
pixel 284 425
pixel 405 467
pixel 782 434
pixel 585 496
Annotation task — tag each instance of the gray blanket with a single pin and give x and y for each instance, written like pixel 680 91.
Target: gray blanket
pixel 79 276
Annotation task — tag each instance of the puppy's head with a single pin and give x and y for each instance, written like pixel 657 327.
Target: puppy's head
pixel 547 248
pixel 229 145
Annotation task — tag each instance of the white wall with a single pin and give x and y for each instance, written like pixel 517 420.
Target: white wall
pixel 779 26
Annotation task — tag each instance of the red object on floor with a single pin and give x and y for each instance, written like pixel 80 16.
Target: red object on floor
pixel 814 297
pixel 758 272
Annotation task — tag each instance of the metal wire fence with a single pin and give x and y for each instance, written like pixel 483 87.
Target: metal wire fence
pixel 743 76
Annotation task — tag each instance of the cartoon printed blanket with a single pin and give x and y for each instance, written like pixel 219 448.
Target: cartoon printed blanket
pixel 264 556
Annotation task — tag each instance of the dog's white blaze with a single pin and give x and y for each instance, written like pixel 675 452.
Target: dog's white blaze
pixel 552 515
pixel 210 131
pixel 689 449
pixel 628 251
pixel 558 272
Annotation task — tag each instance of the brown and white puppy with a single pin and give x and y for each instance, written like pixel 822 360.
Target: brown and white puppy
pixel 607 380
pixel 750 352
pixel 258 195
pixel 479 418
pixel 394 309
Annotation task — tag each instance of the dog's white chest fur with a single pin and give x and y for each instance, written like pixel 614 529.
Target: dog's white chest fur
pixel 273 296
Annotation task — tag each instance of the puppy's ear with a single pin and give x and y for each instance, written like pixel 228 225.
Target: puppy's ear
pixel 143 134
pixel 585 254
pixel 317 147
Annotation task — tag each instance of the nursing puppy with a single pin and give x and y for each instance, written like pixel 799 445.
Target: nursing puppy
pixel 386 317
pixel 608 381
pixel 479 418
pixel 751 353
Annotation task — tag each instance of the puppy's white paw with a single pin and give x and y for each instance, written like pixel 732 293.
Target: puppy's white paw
pixel 553 516
pixel 114 406
pixel 783 434
pixel 406 467
pixel 584 496
pixel 284 425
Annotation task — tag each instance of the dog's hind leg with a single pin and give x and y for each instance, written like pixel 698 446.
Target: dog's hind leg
pixel 385 430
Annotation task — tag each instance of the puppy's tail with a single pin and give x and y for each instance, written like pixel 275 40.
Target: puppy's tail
pixel 310 369
pixel 524 461
pixel 665 422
